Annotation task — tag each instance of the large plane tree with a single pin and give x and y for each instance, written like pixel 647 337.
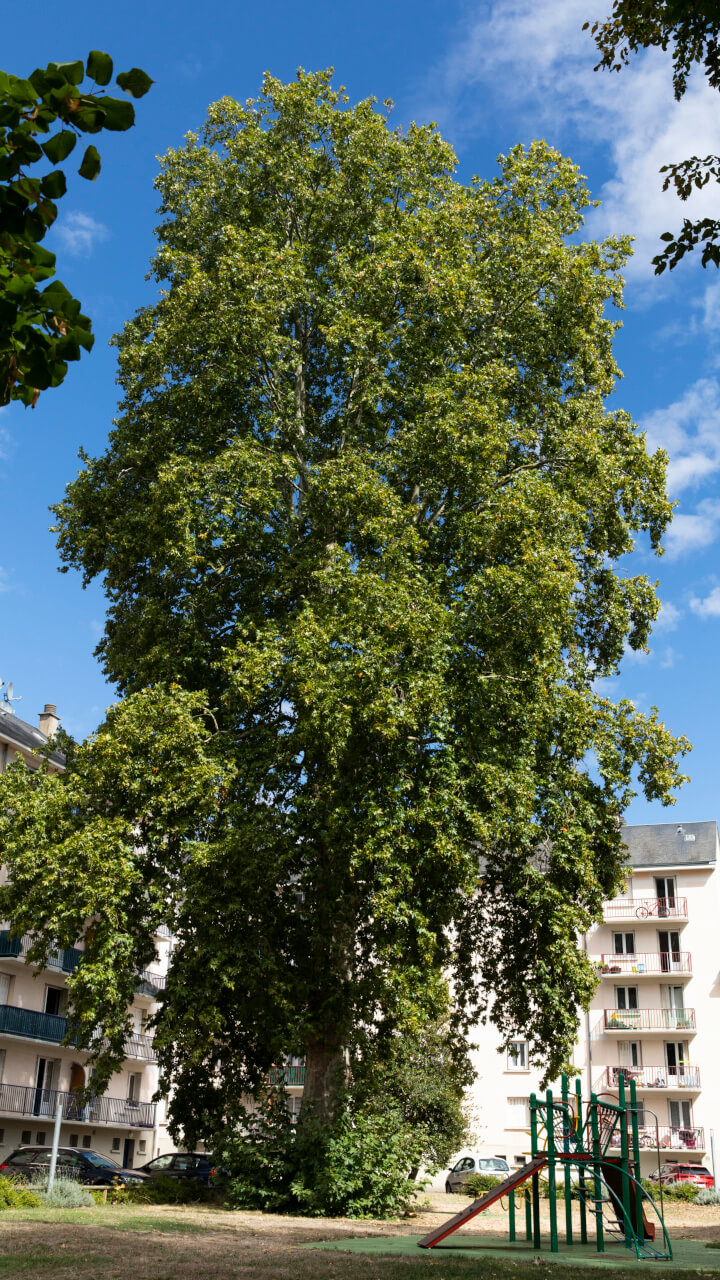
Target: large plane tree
pixel 359 523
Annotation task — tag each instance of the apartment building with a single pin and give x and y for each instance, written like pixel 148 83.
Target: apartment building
pixel 36 1070
pixel 656 1012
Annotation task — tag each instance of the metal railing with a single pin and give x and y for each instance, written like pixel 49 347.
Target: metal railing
pixel 287 1075
pixel 660 1077
pixel 65 960
pixel 649 1019
pixel 35 1025
pixel 27 1100
pixel 671 1137
pixel 646 962
pixel 643 908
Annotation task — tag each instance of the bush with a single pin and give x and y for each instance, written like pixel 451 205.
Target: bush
pixel 681 1191
pixel 66 1194
pixel 160 1190
pixel 478 1183
pixel 707 1195
pixel 358 1168
pixel 16 1194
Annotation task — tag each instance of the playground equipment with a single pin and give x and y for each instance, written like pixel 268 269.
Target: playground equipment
pixel 608 1188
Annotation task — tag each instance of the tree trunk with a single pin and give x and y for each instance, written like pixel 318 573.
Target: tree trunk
pixel 325 1074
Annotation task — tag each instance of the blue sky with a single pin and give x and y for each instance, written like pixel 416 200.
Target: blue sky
pixel 491 75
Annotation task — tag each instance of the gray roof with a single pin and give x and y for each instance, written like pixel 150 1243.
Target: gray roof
pixel 20 734
pixel 669 844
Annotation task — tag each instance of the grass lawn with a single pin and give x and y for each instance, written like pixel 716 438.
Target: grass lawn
pixel 205 1243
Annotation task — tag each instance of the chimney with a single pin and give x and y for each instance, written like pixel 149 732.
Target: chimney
pixel 48 720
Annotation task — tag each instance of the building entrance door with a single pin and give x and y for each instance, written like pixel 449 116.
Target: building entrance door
pixel 128 1153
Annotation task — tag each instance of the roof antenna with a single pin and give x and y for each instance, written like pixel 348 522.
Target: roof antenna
pixel 8 698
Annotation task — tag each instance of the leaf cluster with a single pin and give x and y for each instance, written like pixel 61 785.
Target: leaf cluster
pixel 690 28
pixel 41 329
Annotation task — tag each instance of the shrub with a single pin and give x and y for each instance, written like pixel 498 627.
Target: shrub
pixel 707 1195
pixel 478 1183
pixel 358 1168
pixel 16 1194
pixel 66 1194
pixel 680 1191
pixel 160 1190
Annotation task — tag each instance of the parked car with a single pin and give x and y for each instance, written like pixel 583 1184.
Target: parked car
pixel 193 1165
pixel 89 1167
pixel 467 1165
pixel 672 1172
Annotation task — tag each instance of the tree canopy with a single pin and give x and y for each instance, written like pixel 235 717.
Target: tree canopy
pixel 358 522
pixel 690 28
pixel 41 329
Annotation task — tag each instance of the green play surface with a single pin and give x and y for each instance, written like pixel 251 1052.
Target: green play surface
pixel 688 1255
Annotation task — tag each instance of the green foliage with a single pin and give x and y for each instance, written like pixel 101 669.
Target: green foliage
pixel 478 1183
pixel 359 523
pixel 41 329
pixel 684 1191
pixel 358 1167
pixel 66 1194
pixel 16 1194
pixel 691 31
pixel 422 1073
pixel 707 1196
pixel 160 1190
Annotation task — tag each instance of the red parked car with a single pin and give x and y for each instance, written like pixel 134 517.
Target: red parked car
pixel 674 1172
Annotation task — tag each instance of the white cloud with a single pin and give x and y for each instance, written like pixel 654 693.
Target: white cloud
pixel 535 62
pixel 689 431
pixel 696 531
pixel 4 584
pixel 668 617
pixel 79 233
pixel 669 658
pixel 709 607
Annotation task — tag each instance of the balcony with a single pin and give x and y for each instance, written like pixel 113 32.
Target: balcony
pixel 660 1020
pixel 67 960
pixel 26 1100
pixel 646 909
pixel 34 1025
pixel 287 1075
pixel 17 948
pixel 670 1137
pixel 645 963
pixel 685 1077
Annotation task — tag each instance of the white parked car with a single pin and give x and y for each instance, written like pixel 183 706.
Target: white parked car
pixel 470 1164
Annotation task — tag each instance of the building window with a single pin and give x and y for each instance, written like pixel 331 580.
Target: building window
pixel 116 1144
pixel 517 1056
pixel 55 999
pixel 2 1136
pixel 624 944
pixel 74 1139
pixel 5 984
pixel 2 1064
pixel 142 1146
pixel 518 1113
pixel 25 1137
pixel 626 998
pixel 133 1093
pixel 40 1138
pixel 87 1140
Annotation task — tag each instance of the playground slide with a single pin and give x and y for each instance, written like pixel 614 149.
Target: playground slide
pixel 513 1180
pixel 613 1178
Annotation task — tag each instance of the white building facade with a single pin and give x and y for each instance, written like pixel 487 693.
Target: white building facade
pixel 37 1072
pixel 655 1015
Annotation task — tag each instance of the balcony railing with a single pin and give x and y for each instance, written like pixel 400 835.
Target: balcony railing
pixel 660 1077
pixel 149 983
pixel 26 1100
pixel 646 962
pixel 649 1019
pixel 34 1025
pixel 671 1137
pixel 644 908
pixel 65 960
pixel 287 1075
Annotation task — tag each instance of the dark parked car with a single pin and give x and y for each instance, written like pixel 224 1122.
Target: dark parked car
pixel 180 1164
pixel 89 1167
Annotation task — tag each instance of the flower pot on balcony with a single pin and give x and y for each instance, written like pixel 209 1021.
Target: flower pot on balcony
pixel 641 968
